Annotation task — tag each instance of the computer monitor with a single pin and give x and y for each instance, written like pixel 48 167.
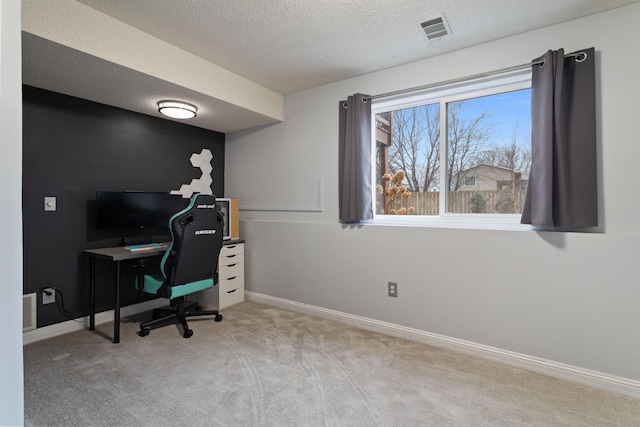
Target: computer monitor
pixel 135 210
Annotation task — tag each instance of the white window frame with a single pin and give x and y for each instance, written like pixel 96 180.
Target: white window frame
pixel 515 80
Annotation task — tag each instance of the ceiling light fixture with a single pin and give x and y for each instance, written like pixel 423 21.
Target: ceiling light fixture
pixel 177 109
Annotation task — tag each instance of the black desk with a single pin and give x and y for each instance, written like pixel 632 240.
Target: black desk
pixel 115 254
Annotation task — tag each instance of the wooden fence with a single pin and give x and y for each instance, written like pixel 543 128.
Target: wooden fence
pixel 489 202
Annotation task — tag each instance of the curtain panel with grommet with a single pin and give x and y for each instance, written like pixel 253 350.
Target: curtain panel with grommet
pixel 355 177
pixel 562 188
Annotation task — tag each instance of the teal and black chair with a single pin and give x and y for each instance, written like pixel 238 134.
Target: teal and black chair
pixel 189 265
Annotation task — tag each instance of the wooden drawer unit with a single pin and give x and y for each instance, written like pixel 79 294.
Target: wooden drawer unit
pixel 231 275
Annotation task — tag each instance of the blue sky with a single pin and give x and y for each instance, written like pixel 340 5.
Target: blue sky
pixel 506 109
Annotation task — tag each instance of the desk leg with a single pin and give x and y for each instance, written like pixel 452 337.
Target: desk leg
pixel 92 293
pixel 116 320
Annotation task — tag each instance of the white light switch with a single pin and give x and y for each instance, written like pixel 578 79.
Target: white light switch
pixel 49 203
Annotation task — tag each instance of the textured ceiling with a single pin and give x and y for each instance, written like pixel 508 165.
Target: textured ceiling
pixel 290 45
pixel 282 45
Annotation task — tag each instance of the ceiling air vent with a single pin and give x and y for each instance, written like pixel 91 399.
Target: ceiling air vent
pixel 435 27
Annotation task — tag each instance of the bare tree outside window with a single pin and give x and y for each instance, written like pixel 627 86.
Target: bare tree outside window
pixel 415 146
pixel 487 155
pixel 467 139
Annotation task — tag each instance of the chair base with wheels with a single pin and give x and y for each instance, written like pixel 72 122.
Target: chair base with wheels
pixel 177 313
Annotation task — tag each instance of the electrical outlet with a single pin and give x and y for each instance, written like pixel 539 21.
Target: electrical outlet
pixel 48 295
pixel 393 289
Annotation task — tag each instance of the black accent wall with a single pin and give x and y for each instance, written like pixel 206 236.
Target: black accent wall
pixel 73 148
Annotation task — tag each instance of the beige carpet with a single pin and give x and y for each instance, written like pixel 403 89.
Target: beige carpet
pixel 263 366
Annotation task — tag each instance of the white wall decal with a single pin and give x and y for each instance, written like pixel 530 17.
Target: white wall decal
pixel 200 160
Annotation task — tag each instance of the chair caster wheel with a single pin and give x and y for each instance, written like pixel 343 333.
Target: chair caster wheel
pixel 143 332
pixel 218 318
pixel 188 333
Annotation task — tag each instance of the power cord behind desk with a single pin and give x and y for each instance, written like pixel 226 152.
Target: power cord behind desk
pixel 60 304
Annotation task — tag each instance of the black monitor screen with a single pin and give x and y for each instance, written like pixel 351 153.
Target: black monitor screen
pixel 128 210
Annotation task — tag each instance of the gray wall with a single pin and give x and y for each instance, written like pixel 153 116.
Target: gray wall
pixel 71 149
pixel 570 298
pixel 11 386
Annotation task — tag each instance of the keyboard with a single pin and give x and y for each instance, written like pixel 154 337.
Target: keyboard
pixel 146 247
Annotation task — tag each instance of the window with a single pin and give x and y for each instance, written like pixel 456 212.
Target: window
pixel 461 149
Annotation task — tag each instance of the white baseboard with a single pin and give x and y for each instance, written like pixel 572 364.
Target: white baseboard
pixel 548 367
pixel 83 322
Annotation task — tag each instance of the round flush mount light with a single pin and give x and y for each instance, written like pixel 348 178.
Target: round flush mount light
pixel 177 109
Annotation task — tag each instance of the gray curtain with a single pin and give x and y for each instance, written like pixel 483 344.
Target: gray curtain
pixel 562 183
pixel 355 190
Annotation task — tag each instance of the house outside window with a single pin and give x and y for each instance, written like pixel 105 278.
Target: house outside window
pixel 454 151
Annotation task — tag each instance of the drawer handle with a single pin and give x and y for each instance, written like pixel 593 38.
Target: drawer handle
pixel 232 265
pixel 230 247
pixel 230 292
pixel 231 256
pixel 231 278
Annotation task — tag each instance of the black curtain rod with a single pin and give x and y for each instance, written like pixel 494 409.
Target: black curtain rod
pixel 580 57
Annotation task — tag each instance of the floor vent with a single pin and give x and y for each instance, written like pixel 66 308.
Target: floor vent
pixel 435 27
pixel 28 312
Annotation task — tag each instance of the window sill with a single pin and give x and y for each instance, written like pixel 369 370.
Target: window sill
pixel 460 221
